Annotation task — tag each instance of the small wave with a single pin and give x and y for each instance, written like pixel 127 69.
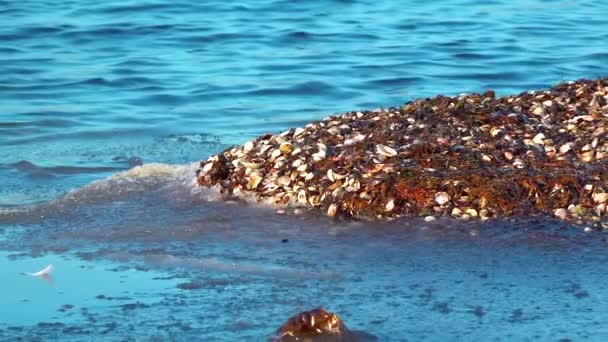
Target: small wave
pixel 136 181
pixel 306 88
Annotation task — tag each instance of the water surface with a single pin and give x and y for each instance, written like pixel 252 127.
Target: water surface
pixel 91 89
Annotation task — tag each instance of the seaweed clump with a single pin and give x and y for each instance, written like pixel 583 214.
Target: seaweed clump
pixel 468 156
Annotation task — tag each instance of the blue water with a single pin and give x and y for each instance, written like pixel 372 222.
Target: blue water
pixel 91 89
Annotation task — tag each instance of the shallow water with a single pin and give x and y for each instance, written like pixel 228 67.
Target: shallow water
pixel 91 89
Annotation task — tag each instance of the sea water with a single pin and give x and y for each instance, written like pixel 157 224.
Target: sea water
pixel 106 106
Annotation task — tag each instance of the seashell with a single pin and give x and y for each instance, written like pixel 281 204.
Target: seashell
pixel 207 167
pixel 442 198
pixel 321 154
pixel 600 209
pixel 471 212
pixel 314 200
pixel 283 181
pixel 286 147
pixel 386 150
pixel 279 164
pixel 538 139
pixel 518 163
pixel 298 131
pixel 254 181
pixel 586 156
pixel 276 153
pixel 561 213
pixel 390 205
pixel 332 210
pixel 338 174
pixel 600 197
pixel 302 167
pixel 309 176
pixel 430 219
pixel 539 111
pixel 302 196
pixel 508 155
pixel 248 146
pixel 254 163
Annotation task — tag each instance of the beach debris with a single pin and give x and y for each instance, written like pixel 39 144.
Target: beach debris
pixel 313 325
pixel 45 272
pixel 469 156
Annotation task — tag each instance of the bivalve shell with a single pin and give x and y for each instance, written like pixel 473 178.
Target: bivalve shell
pixel 386 150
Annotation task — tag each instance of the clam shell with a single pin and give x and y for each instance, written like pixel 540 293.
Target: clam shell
pixel 442 198
pixel 254 163
pixel 286 147
pixel 302 196
pixel 248 146
pixel 276 153
pixel 332 210
pixel 386 150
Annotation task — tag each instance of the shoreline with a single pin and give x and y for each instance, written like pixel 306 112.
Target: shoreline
pixel 469 156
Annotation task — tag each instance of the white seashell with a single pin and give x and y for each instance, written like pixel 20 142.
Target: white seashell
pixel 386 150
pixel 275 154
pixel 302 196
pixel 495 131
pixel 298 131
pixel 442 198
pixel 390 205
pixel 565 148
pixel 248 146
pixel 538 139
pixel 332 210
pixel 600 197
pixel 330 175
pixel 207 167
pixel 561 213
pixel 430 219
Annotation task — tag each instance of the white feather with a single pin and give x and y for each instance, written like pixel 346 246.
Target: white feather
pixel 44 272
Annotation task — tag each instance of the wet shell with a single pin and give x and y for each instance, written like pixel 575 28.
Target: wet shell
pixel 286 147
pixel 254 181
pixel 275 154
pixel 254 163
pixel 248 146
pixel 442 198
pixel 332 210
pixel 390 205
pixel 600 197
pixel 339 174
pixel 302 197
pixel 207 167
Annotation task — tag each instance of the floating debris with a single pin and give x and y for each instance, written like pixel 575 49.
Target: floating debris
pixel 45 272
pixel 468 156
pixel 316 324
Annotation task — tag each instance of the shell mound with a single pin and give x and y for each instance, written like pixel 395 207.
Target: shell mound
pixel 537 153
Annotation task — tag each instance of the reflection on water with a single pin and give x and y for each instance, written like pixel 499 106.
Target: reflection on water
pixel 161 259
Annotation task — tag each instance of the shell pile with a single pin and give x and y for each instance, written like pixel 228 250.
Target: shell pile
pixel 469 156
